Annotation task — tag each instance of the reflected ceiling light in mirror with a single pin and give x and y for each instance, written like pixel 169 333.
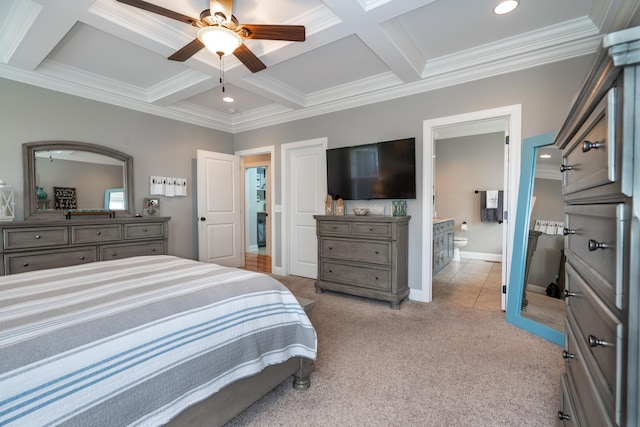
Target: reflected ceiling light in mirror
pixel 505 7
pixel 545 156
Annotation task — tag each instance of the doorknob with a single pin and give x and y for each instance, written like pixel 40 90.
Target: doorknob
pixel 203 218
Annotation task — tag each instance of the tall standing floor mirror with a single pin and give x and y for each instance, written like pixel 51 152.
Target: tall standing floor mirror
pixel 534 303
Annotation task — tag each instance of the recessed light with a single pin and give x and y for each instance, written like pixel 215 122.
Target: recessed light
pixel 228 99
pixel 545 156
pixel 505 6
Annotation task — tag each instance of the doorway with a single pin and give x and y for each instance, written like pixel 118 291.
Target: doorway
pixel 512 117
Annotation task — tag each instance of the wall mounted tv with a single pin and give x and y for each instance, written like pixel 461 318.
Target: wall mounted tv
pixel 384 170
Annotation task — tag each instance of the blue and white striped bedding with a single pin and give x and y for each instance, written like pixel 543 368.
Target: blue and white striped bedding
pixel 135 341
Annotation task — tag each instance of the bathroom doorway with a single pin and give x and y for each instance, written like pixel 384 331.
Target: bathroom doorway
pixel 257 201
pixel 511 117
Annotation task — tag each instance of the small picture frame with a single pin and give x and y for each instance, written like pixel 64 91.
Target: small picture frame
pixel 151 207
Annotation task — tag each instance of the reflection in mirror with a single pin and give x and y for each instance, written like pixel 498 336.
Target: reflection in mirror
pixel 62 175
pixel 538 260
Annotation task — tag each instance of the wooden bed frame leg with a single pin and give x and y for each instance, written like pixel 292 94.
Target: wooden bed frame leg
pixel 301 379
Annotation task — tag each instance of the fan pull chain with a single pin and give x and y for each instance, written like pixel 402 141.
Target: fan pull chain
pixel 221 56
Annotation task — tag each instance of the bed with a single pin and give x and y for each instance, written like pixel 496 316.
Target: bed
pixel 148 340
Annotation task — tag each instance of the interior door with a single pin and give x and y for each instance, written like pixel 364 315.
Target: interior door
pixel 219 209
pixel 305 187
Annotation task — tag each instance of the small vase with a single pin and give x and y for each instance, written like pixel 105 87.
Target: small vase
pixel 41 194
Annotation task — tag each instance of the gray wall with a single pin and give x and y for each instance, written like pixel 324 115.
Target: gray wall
pixel 166 147
pixel 159 146
pixel 462 166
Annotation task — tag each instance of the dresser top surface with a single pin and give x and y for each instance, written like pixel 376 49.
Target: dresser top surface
pixel 83 221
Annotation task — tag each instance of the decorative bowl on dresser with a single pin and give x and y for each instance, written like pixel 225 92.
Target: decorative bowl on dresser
pixel 36 245
pixel 600 144
pixel 364 256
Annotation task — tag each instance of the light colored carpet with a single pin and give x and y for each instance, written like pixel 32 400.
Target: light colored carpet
pixel 423 365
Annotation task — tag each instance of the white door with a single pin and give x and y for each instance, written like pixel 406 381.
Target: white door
pixel 219 209
pixel 304 190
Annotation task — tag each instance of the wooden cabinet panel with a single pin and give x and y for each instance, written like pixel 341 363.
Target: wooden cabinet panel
pixel 34 237
pixel 95 233
pixel 38 260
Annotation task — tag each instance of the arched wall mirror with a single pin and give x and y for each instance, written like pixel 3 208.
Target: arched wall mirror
pixel 535 301
pixel 62 175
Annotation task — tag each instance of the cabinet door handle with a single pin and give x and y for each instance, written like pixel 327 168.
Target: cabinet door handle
pixel 568 294
pixel 81 258
pixel 567 231
pixel 595 342
pixel 330 247
pixel 98 233
pixel 144 230
pixel 565 168
pixel 371 229
pixel 588 145
pixel 334 227
pixel 114 254
pixel 377 252
pixel 330 271
pixel 153 250
pixel 563 417
pixel 376 277
pixel 37 236
pixel 26 264
pixel 594 246
pixel 567 355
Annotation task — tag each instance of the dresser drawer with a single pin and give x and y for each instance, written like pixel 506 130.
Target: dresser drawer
pixel 143 230
pixel 334 227
pixel 108 252
pixel 567 414
pixel 599 333
pixel 372 229
pixel 597 241
pixel 31 261
pixel 362 276
pixel 587 400
pixel 23 238
pixel 365 251
pixel 590 159
pixel 95 233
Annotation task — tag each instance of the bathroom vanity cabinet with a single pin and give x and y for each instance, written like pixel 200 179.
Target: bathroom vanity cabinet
pixel 443 237
pixel 600 146
pixel 364 255
pixel 36 245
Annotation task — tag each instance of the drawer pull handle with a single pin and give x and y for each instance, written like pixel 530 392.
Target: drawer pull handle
pixel 377 252
pixel 26 264
pixel 81 258
pixel 114 254
pixel 568 294
pixel 594 246
pixel 330 247
pixel 567 355
pixel 330 271
pixel 334 226
pixel 377 278
pixel 153 250
pixel 595 342
pixel 98 233
pixel 144 230
pixel 37 236
pixel 588 145
pixel 371 229
pixel 567 231
pixel 564 168
pixel 562 416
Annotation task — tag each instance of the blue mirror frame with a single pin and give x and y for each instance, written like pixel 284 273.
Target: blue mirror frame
pixel 516 279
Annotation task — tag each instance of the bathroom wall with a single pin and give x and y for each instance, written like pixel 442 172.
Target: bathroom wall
pixel 463 165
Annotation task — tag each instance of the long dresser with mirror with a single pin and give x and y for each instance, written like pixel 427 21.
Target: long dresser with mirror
pixel 36 245
pixel 600 143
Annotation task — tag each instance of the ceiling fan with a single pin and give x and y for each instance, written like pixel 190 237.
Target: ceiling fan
pixel 220 32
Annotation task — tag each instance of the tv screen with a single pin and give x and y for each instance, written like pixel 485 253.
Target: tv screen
pixel 384 170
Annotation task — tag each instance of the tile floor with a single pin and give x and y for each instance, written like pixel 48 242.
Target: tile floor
pixel 470 283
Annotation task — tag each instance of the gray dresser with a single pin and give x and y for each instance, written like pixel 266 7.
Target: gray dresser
pixel 442 243
pixel 364 255
pixel 600 144
pixel 36 245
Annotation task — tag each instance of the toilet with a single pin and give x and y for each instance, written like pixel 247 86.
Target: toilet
pixel 458 242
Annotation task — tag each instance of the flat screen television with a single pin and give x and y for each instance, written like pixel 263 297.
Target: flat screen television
pixel 384 170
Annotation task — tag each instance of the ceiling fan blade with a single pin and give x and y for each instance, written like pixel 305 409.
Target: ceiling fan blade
pixel 249 59
pixel 188 51
pixel 223 6
pixel 160 11
pixel 294 33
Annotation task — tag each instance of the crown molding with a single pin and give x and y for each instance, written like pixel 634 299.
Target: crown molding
pixel 17 22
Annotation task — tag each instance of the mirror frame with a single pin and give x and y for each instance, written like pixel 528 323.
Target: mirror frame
pixel 523 218
pixel 29 169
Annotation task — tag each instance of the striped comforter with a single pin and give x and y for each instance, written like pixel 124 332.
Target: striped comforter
pixel 136 341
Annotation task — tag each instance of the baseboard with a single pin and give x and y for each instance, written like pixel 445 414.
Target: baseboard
pixel 418 295
pixel 252 248
pixel 481 255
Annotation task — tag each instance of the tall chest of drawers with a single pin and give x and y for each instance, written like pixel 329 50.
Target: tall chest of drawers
pixel 36 245
pixel 600 143
pixel 364 255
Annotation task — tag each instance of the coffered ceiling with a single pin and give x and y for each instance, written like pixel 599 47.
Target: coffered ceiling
pixel 356 52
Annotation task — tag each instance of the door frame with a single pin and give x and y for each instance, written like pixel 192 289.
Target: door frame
pixel 269 149
pixel 285 207
pixel 513 113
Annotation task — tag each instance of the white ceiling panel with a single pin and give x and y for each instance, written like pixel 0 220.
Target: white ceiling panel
pixel 355 51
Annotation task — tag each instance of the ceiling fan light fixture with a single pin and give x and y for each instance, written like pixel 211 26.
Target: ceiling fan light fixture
pixel 505 6
pixel 219 40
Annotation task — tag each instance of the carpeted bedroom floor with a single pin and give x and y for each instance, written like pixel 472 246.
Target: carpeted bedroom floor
pixel 432 364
